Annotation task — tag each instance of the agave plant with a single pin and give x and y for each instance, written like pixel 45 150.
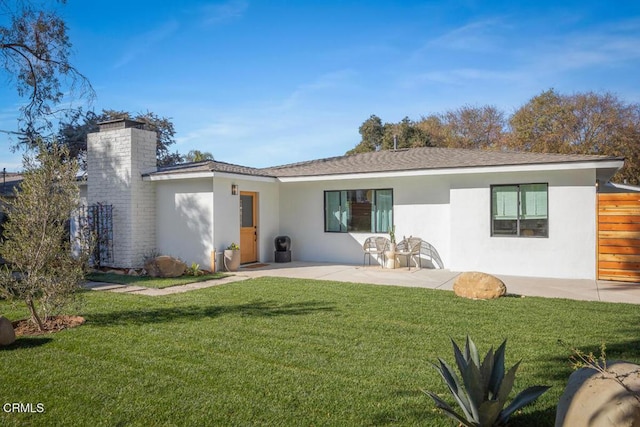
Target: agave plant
pixel 485 387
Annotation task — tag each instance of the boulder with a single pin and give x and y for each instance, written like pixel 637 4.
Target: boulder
pixel 165 266
pixel 7 334
pixel 476 285
pixel 595 399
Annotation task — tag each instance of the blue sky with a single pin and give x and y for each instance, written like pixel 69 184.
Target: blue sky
pixel 263 83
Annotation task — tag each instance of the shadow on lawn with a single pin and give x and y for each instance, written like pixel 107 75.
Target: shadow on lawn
pixel 193 312
pixel 26 342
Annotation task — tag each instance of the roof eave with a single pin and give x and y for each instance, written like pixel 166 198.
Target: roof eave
pixel 606 169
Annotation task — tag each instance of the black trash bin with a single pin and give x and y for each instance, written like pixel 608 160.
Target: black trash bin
pixel 283 249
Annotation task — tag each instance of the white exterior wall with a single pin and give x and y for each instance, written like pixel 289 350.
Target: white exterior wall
pixel 453 213
pixel 184 226
pixel 568 252
pixel 421 209
pixel 227 213
pixel 116 159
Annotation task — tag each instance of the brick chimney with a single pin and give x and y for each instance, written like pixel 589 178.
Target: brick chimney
pixel 117 156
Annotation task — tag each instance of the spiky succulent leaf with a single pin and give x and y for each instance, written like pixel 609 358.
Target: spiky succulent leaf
pixel 497 373
pixel 486 371
pixel 459 394
pixel 461 360
pixel 448 410
pixel 507 384
pixel 523 398
pixel 473 385
pixel 489 412
pixel 471 351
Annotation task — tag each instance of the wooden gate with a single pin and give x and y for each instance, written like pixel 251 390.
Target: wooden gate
pixel 619 236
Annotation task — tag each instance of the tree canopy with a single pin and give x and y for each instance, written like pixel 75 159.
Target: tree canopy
pixel 73 133
pixel 34 54
pixel 581 123
pixel 197 156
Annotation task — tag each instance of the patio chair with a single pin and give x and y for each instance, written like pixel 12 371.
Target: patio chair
pixel 410 249
pixel 428 250
pixel 375 246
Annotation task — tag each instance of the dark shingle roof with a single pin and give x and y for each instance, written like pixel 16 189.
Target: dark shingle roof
pixel 209 166
pixel 424 158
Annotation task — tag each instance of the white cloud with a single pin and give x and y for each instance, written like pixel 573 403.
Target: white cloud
pixel 461 76
pixel 214 14
pixel 326 82
pixel 479 36
pixel 142 43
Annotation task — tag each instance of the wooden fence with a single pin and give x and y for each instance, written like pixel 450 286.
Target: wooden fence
pixel 619 237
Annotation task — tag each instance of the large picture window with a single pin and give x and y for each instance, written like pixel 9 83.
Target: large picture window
pixel 368 211
pixel 520 210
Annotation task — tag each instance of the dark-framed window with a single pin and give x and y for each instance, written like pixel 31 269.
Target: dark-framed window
pixel 368 211
pixel 520 210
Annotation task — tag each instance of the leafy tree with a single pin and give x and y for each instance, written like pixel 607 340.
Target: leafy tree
pixel 376 136
pixel 405 134
pixel 73 133
pixel 372 133
pixel 582 123
pixel 197 156
pixel 43 272
pixel 473 127
pixel 34 53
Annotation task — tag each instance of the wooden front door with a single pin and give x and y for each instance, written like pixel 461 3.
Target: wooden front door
pixel 248 227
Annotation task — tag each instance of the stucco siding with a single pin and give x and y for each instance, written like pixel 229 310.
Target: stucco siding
pixel 185 220
pixel 568 251
pixel 227 216
pixel 421 209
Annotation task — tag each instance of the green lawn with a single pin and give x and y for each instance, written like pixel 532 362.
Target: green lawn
pixel 151 282
pixel 291 352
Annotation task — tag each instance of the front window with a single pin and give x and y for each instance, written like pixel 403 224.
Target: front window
pixel 520 210
pixel 368 211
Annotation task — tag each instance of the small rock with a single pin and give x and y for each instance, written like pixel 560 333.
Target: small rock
pixel 7 334
pixel 594 399
pixel 476 285
pixel 132 272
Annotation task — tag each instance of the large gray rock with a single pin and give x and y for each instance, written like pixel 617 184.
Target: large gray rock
pixel 165 266
pixel 7 334
pixel 593 399
pixel 476 285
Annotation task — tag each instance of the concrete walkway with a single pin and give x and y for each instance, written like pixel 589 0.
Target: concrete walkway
pixel 577 289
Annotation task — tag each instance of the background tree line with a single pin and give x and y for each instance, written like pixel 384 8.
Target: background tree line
pixel 581 123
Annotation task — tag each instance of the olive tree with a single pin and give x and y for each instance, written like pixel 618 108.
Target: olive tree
pixel 41 269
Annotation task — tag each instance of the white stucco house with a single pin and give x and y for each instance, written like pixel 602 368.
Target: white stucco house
pixel 498 212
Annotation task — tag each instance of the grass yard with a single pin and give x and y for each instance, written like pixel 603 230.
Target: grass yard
pixel 291 352
pixel 151 282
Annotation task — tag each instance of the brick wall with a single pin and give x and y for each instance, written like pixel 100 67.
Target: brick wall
pixel 116 159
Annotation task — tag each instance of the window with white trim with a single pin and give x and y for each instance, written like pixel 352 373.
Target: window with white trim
pixel 368 211
pixel 520 210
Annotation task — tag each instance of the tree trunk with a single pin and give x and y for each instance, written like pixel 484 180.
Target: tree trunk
pixel 34 314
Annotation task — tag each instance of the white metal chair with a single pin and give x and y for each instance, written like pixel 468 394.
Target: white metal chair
pixel 427 249
pixel 410 249
pixel 375 246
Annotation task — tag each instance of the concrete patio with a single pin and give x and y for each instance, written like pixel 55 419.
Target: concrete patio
pixel 577 289
pixel 588 290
